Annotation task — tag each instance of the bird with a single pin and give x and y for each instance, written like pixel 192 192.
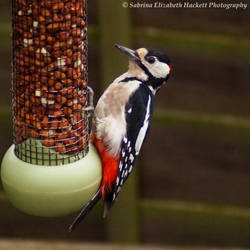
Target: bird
pixel 122 119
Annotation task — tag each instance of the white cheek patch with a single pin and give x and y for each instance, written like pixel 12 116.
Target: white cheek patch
pixel 157 69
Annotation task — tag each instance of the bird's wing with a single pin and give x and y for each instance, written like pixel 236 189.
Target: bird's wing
pixel 138 116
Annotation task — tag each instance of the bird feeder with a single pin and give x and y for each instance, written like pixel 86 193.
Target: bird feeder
pixel 51 169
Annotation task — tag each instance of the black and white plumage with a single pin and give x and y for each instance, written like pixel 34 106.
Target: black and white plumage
pixel 138 112
pixel 123 116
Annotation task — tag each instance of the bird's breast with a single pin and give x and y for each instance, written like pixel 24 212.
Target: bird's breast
pixel 110 118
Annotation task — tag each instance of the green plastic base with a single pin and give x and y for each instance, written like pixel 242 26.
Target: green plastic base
pixel 51 191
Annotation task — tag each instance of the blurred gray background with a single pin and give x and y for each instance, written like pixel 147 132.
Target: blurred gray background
pixel 192 184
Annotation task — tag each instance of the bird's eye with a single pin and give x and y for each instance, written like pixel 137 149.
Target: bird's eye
pixel 151 59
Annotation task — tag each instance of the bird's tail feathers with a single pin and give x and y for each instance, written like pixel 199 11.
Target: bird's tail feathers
pixel 85 211
pixel 108 201
pixel 107 206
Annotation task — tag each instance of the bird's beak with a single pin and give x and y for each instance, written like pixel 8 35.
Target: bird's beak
pixel 131 53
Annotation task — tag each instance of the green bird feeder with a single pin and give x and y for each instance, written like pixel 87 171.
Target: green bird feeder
pixel 51 169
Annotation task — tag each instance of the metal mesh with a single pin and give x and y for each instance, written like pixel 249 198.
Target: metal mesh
pixel 49 80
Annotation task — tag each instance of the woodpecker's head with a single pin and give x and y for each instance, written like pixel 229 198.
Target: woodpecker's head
pixel 150 66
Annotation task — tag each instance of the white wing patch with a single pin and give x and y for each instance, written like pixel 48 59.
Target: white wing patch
pixel 143 129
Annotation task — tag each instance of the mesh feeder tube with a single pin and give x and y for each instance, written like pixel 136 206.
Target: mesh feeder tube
pixel 51 169
pixel 49 81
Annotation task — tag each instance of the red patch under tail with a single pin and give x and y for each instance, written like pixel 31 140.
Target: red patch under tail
pixel 109 168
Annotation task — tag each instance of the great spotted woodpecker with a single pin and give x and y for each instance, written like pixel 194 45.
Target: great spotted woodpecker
pixel 122 119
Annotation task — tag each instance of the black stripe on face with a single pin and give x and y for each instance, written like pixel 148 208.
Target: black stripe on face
pixel 152 81
pixel 128 79
pixel 145 69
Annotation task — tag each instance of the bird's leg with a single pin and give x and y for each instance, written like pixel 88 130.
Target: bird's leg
pixel 89 110
pixel 91 97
